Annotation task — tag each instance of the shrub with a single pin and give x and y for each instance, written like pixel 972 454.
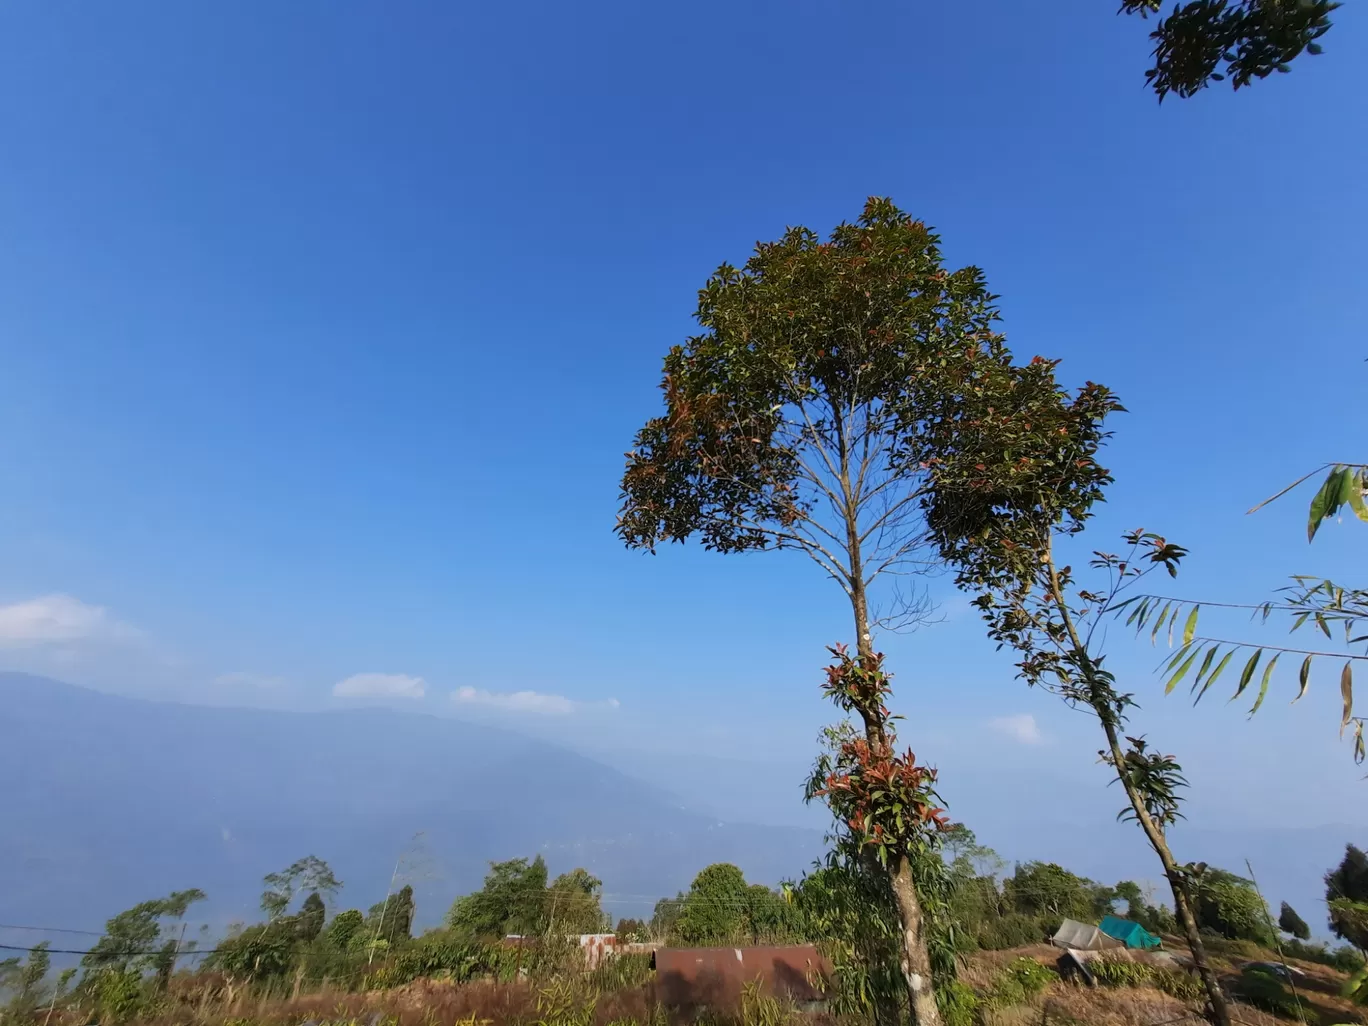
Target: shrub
pixel 1020 981
pixel 1262 989
pixel 1346 959
pixel 958 1004
pixel 1012 931
pixel 1118 972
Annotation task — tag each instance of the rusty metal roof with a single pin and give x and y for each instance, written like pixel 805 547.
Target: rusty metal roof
pixel 692 977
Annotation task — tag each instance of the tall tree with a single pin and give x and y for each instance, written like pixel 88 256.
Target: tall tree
pixel 311 916
pixel 310 874
pixel 512 900
pixel 1206 41
pixel 1346 894
pixel 1016 476
pixel 785 417
pixel 1292 924
pixel 132 939
pixel 573 903
pixel 714 909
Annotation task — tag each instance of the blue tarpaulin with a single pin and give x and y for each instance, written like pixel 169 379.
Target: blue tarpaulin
pixel 1133 935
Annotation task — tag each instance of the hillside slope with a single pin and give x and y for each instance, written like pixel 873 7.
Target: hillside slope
pixel 113 800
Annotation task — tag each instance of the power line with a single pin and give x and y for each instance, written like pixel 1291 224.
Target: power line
pixel 50 929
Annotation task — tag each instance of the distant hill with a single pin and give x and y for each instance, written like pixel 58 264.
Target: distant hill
pixel 109 801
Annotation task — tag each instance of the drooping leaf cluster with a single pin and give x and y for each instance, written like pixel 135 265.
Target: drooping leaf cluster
pixel 1346 894
pixel 1204 41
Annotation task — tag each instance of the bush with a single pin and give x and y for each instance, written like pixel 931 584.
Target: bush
pixel 1262 989
pixel 1020 981
pixel 958 1004
pixel 1118 972
pixel 1012 931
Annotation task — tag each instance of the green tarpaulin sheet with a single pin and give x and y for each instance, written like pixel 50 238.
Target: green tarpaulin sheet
pixel 1133 935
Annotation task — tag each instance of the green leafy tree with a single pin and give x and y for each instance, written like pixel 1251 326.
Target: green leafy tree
pixel 1047 890
pixel 25 980
pixel 1016 477
pixel 133 940
pixel 512 901
pixel 264 952
pixel 573 903
pixel 1157 919
pixel 1231 906
pixel 715 906
pixel 1291 923
pixel 311 917
pixel 345 928
pixel 1346 894
pixel 784 420
pixel 310 874
pixel 1206 41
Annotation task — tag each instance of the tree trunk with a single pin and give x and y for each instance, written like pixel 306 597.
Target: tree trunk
pixel 1218 1012
pixel 915 961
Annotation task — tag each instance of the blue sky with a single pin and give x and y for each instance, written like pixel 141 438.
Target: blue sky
pixel 325 327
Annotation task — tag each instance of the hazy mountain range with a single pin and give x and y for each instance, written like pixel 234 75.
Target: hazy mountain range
pixel 112 800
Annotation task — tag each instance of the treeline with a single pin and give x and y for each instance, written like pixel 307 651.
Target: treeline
pixel 142 961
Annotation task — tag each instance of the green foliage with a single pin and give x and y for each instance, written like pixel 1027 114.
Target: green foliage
pixel 391 920
pixel 267 951
pixel 1259 987
pixel 574 906
pixel 1206 41
pixel 311 917
pixel 566 1002
pixel 1157 919
pixel 1230 906
pixel 715 906
pixel 959 1005
pixel 444 954
pixel 1013 930
pixel 512 901
pixel 1291 923
pixel 812 353
pixel 308 874
pixel 631 931
pixel 1111 971
pixel 1346 894
pixel 119 993
pixel 131 938
pixel 1019 982
pixel 1044 889
pixel 761 1009
pixel 345 927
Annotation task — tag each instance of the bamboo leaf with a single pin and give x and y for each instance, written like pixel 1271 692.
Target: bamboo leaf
pixel 1211 654
pixel 1247 674
pixel 1325 627
pixel 1263 686
pixel 1159 622
pixel 1347 693
pixel 1172 620
pixel 1190 628
pixel 1214 674
pixel 1356 502
pixel 1326 501
pixel 1137 615
pixel 1304 678
pixel 1182 670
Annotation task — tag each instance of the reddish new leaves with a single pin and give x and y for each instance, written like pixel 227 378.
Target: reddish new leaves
pixel 886 799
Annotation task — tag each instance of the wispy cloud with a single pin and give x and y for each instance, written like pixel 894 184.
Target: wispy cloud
pixel 1021 727
pixel 60 619
pixel 523 701
pixel 380 685
pixel 250 680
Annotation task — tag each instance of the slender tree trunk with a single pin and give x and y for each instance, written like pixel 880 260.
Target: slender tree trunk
pixel 1182 896
pixel 915 961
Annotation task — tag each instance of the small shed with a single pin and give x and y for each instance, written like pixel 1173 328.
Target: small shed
pixel 1131 934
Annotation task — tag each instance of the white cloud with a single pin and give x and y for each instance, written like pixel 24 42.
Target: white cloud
pixel 249 680
pixel 382 685
pixel 516 701
pixel 1022 727
pixel 58 619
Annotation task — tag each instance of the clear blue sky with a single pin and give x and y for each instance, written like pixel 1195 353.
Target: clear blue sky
pixel 325 326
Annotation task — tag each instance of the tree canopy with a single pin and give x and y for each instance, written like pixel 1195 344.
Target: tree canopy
pixel 1206 41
